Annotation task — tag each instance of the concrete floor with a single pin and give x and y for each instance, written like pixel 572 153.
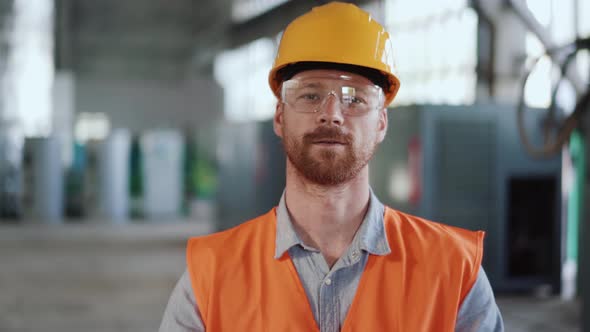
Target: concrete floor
pixel 524 314
pixel 96 278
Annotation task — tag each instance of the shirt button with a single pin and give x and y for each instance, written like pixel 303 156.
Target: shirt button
pixel 355 254
pixel 328 281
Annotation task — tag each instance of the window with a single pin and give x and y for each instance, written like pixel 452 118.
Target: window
pixel 562 22
pixel 583 27
pixel 91 126
pixel 435 50
pixel 29 71
pixel 243 10
pixel 243 74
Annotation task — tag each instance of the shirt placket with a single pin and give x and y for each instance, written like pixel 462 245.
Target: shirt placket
pixel 329 309
pixel 331 289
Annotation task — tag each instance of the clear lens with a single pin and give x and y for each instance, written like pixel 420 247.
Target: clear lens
pixel 309 95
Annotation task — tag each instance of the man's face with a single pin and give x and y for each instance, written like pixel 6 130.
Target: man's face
pixel 330 123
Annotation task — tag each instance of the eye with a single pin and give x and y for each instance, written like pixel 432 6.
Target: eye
pixel 353 100
pixel 309 97
pixel 357 100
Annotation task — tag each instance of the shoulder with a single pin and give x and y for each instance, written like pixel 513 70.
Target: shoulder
pixel 433 241
pixel 431 232
pixel 227 248
pixel 259 226
pixel 225 252
pixel 455 250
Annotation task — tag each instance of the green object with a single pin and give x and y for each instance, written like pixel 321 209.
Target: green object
pixel 576 198
pixel 189 178
pixel 74 183
pixel 190 162
pixel 135 167
pixel 200 175
pixel 136 178
pixel 206 177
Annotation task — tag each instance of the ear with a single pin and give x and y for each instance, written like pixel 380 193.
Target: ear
pixel 382 125
pixel 278 119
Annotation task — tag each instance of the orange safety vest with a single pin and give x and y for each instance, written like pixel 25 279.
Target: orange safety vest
pixel 419 286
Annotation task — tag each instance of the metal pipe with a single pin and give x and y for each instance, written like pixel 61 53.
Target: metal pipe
pixel 529 20
pixel 486 69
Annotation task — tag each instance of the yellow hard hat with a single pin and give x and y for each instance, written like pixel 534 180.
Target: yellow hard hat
pixel 336 34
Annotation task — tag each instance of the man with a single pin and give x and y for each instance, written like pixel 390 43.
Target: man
pixel 330 256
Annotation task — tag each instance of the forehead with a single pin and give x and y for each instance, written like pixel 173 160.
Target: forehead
pixel 330 74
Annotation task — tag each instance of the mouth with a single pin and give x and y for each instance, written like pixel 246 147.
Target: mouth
pixel 328 142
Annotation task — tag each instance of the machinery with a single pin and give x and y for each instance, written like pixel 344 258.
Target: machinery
pixel 251 172
pixel 465 166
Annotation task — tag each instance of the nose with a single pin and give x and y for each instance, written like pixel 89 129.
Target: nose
pixel 330 112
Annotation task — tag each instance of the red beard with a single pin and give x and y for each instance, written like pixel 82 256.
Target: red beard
pixel 331 166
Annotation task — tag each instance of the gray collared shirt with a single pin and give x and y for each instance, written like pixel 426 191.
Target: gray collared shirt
pixel 330 291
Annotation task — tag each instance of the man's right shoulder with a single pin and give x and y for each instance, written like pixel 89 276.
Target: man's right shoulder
pixel 251 228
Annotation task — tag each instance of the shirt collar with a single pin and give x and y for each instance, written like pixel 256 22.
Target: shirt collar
pixel 370 237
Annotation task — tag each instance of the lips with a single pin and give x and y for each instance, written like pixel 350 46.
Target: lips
pixel 328 136
pixel 331 142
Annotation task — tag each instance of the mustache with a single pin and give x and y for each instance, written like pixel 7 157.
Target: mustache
pixel 329 134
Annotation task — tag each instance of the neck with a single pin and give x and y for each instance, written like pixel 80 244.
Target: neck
pixel 327 217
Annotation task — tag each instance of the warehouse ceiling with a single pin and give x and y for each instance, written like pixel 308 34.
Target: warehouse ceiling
pixel 158 38
pixel 146 38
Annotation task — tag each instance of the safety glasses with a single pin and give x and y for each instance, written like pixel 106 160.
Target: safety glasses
pixel 310 94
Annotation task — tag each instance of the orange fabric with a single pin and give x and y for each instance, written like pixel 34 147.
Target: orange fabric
pixel 419 286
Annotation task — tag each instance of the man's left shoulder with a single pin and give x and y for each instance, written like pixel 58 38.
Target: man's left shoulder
pixel 432 233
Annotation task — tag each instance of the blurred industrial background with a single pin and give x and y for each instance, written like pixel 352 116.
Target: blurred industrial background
pixel 127 126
